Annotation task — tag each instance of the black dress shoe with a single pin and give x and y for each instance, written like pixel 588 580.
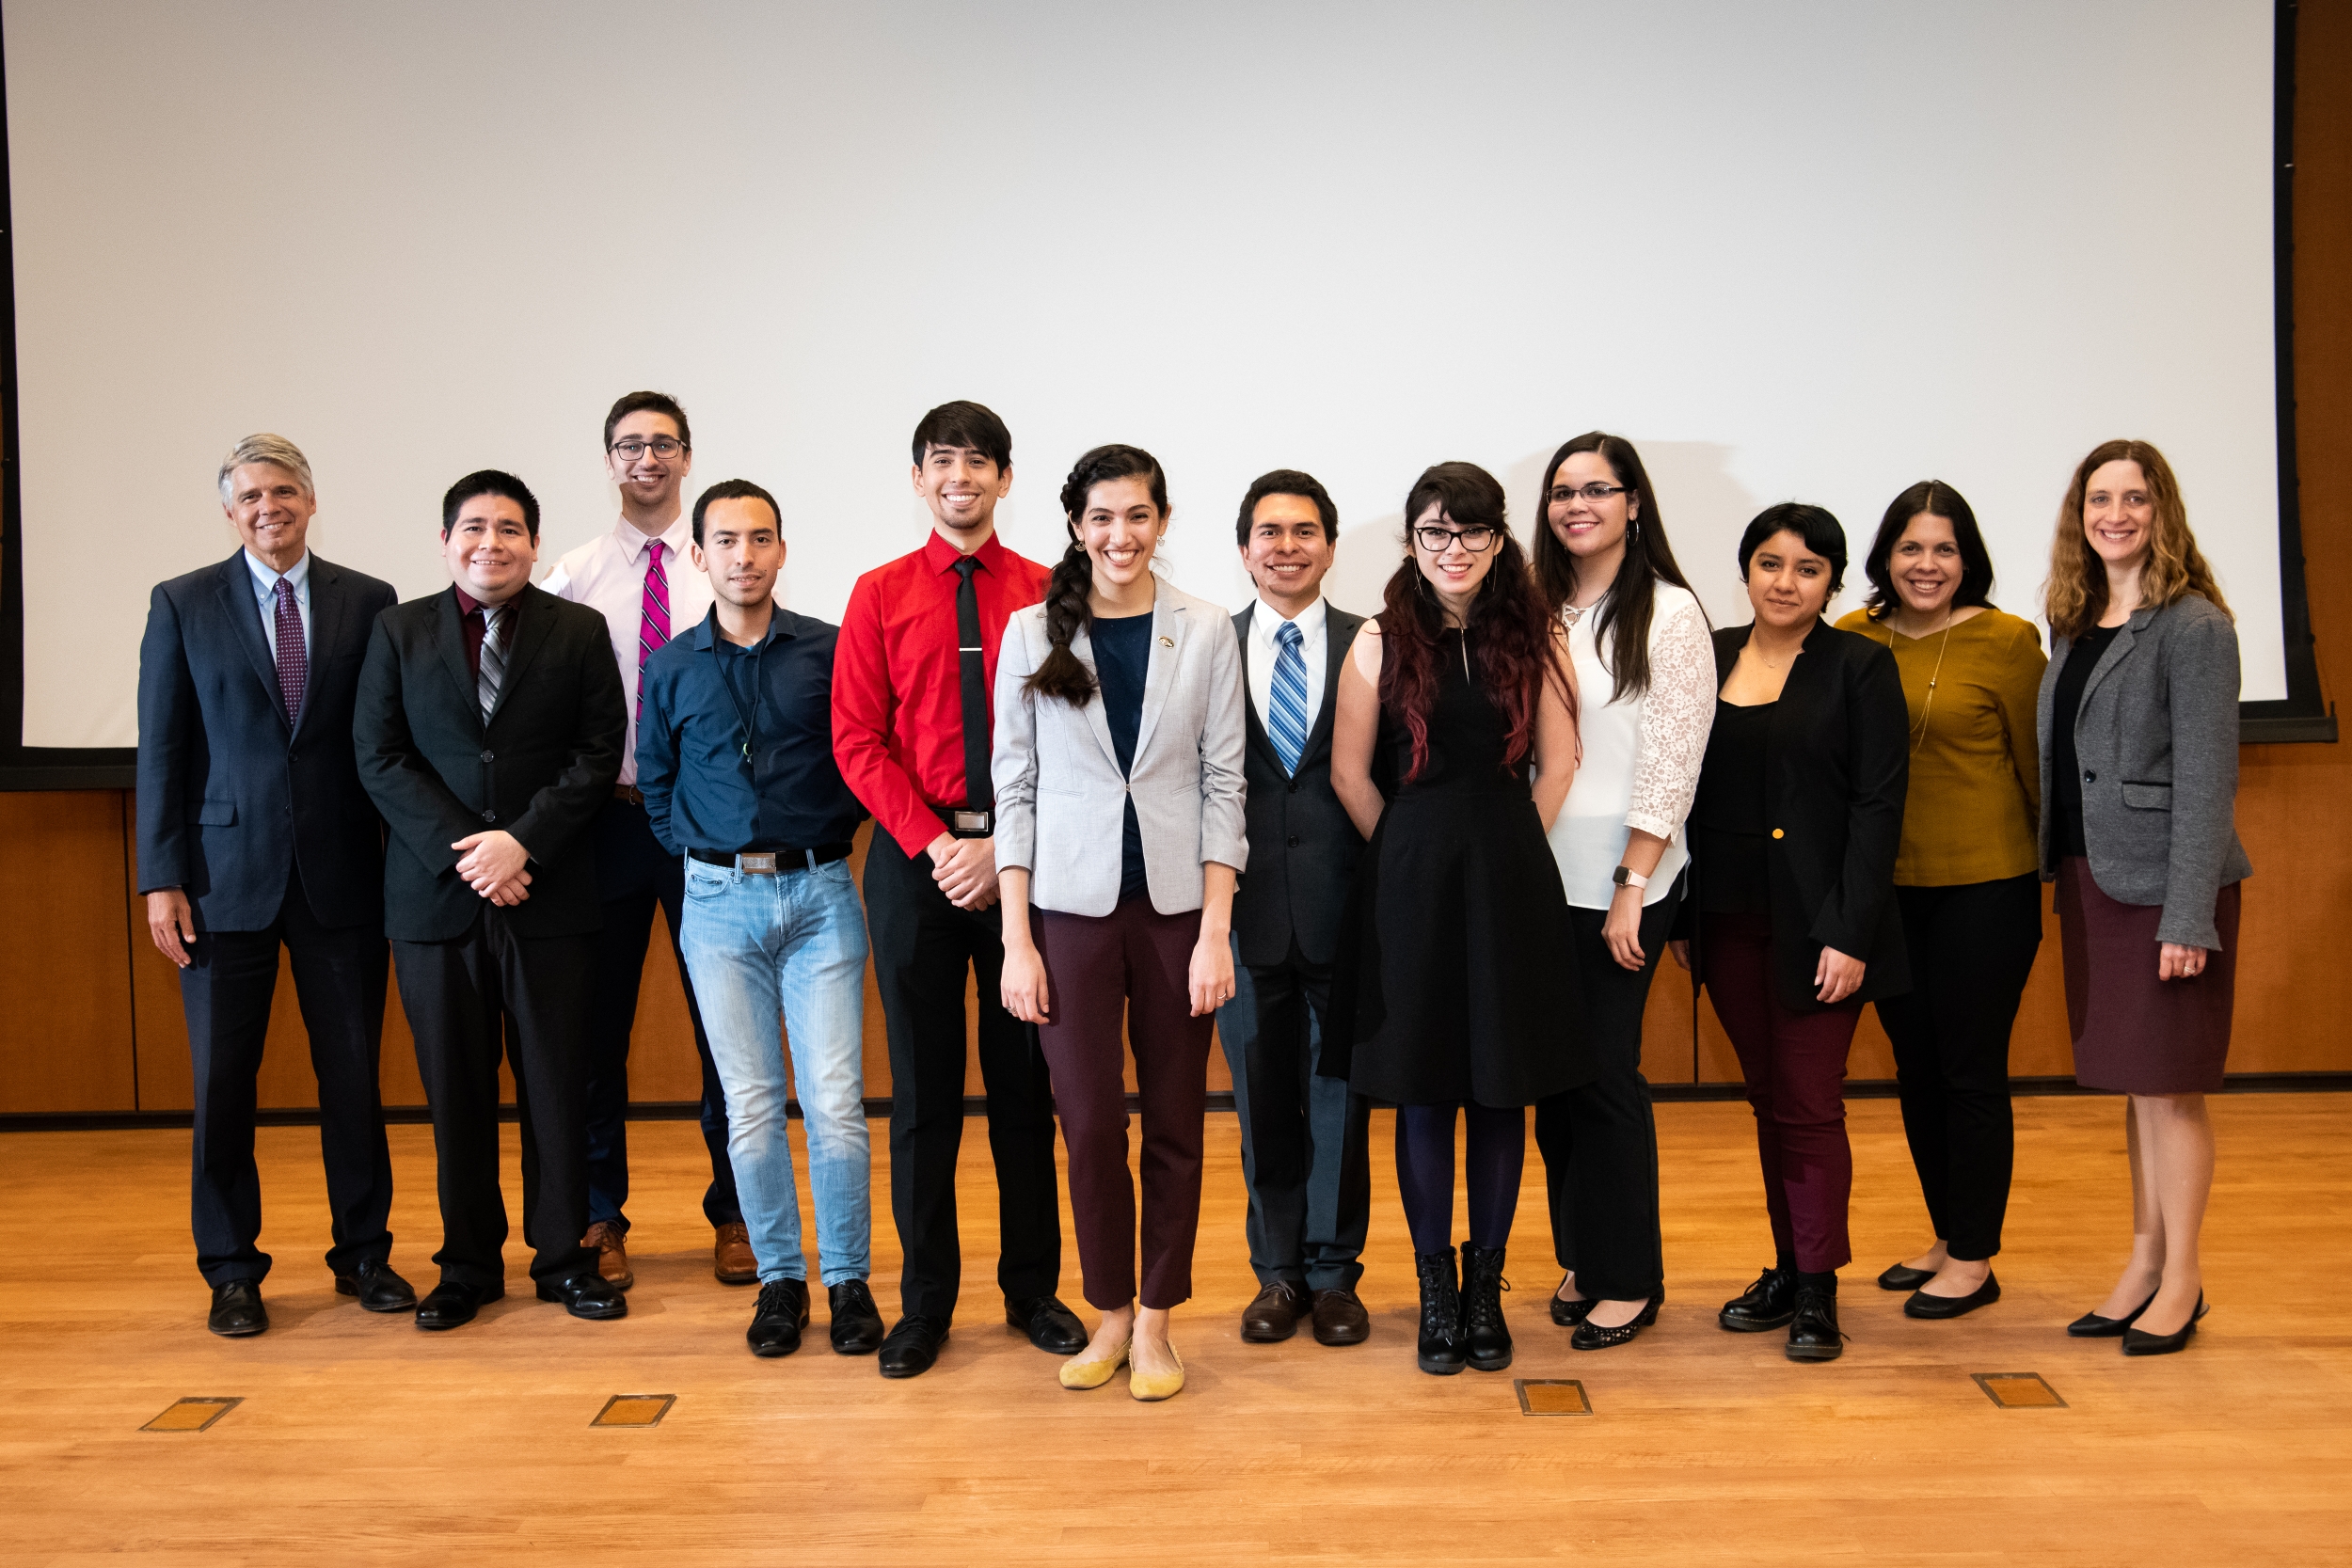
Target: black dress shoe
pixel 237 1310
pixel 1340 1317
pixel 377 1286
pixel 857 1327
pixel 1922 1304
pixel 1051 1326
pixel 1768 1303
pixel 1903 1277
pixel 2092 1326
pixel 1272 1316
pixel 1567 1314
pixel 1591 1336
pixel 453 1304
pixel 778 1317
pixel 1813 1332
pixel 2139 1341
pixel 911 1346
pixel 586 1294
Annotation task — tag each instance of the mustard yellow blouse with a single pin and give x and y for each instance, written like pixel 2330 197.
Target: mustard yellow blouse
pixel 1976 777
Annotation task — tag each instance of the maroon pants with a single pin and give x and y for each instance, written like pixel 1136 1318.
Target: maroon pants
pixel 1795 1068
pixel 1130 965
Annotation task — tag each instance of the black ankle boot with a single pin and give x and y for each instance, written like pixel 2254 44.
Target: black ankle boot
pixel 1768 1303
pixel 1485 1338
pixel 1813 1334
pixel 1440 1348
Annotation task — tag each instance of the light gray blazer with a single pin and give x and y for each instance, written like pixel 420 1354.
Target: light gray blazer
pixel 1061 796
pixel 2157 739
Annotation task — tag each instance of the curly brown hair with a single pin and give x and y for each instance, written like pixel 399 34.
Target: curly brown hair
pixel 2076 594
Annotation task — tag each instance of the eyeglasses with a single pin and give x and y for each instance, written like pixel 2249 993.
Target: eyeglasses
pixel 1593 493
pixel 1437 541
pixel 660 446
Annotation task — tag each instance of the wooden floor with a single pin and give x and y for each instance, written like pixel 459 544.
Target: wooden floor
pixel 361 1440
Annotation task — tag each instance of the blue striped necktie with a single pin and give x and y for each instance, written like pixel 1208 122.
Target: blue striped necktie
pixel 1286 704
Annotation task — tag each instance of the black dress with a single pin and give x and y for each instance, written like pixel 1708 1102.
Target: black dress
pixel 1456 977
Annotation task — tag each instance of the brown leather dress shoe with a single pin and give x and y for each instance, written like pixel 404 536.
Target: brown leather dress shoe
pixel 1340 1319
pixel 731 1257
pixel 1273 1317
pixel 608 1241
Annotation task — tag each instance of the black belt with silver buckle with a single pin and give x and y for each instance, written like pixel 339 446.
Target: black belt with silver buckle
pixel 964 823
pixel 770 862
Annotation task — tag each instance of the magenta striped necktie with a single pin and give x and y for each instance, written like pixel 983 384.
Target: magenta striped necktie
pixel 653 618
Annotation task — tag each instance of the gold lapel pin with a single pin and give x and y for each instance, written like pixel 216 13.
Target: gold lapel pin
pixel 1167 642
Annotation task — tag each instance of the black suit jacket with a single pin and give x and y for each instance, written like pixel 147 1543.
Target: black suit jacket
pixel 231 797
pixel 1837 765
pixel 1302 847
pixel 541 768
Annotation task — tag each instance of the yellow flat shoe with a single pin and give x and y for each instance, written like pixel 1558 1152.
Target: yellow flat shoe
pixel 1079 1373
pixel 1148 1386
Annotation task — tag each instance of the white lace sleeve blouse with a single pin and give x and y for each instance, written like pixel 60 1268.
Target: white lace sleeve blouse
pixel 1641 751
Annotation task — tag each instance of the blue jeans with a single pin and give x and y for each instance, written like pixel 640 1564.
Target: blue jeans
pixel 792 944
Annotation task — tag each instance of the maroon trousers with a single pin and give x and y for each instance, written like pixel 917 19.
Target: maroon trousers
pixel 1130 966
pixel 1795 1068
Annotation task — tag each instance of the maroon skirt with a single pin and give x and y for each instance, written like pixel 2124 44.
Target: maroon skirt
pixel 2135 1034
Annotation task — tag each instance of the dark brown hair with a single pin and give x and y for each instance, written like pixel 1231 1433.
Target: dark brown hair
pixel 1621 629
pixel 1061 675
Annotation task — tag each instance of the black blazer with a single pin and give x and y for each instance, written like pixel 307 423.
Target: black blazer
pixel 231 797
pixel 541 768
pixel 1837 765
pixel 1302 845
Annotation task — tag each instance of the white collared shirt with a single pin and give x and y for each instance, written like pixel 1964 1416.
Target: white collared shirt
pixel 265 589
pixel 608 575
pixel 1313 646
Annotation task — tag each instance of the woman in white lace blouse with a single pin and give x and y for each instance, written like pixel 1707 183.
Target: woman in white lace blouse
pixel 1646 668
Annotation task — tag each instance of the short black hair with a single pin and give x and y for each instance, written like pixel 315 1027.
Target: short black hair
pixel 1813 524
pixel 1285 481
pixel 648 403
pixel 734 489
pixel 964 424
pixel 1934 499
pixel 490 481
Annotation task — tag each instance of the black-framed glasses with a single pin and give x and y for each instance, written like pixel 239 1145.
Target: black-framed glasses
pixel 1437 541
pixel 632 448
pixel 1593 493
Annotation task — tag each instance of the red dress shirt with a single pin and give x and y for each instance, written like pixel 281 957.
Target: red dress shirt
pixel 898 682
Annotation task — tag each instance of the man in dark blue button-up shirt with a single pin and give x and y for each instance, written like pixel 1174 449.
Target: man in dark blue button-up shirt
pixel 735 757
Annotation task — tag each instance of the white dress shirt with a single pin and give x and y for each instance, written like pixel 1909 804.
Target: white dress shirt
pixel 265 589
pixel 1313 646
pixel 608 575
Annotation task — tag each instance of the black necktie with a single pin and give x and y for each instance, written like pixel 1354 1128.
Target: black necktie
pixel 980 793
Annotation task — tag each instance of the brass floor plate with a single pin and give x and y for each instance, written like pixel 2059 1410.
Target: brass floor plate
pixel 634 1410
pixel 192 1414
pixel 2019 1391
pixel 1551 1396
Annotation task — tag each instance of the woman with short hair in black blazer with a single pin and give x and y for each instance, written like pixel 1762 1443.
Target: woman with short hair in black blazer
pixel 1794 831
pixel 2138 727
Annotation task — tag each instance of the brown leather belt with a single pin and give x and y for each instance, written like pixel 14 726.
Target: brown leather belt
pixel 770 862
pixel 630 793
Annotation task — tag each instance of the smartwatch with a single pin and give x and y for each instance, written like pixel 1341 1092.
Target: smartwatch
pixel 1626 876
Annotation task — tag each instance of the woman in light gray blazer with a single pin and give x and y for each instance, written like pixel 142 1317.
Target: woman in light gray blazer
pixel 2138 724
pixel 1120 727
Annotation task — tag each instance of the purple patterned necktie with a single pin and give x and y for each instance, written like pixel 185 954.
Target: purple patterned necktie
pixel 653 614
pixel 294 664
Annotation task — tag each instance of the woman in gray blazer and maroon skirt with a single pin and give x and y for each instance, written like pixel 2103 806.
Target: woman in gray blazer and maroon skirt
pixel 2139 731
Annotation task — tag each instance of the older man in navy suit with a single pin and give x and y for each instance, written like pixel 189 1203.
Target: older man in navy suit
pixel 253 833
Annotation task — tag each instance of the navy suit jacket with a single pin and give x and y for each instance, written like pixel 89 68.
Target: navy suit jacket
pixel 231 797
pixel 1303 846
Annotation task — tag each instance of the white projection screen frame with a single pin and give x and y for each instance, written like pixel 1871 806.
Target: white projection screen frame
pixel 1812 252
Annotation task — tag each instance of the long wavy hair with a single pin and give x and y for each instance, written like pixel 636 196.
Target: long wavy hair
pixel 1062 676
pixel 1929 497
pixel 1510 631
pixel 2076 594
pixel 1621 629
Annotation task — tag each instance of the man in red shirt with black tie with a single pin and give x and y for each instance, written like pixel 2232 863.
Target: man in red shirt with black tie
pixel 912 677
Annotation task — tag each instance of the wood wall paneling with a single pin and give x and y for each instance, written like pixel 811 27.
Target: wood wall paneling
pixel 64 990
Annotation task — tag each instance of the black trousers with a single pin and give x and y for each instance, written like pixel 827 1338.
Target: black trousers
pixel 923 946
pixel 1303 1156
pixel 486 994
pixel 1600 1142
pixel 1972 948
pixel 226 992
pixel 633 874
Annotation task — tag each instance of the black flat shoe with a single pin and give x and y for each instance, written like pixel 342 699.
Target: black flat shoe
pixel 377 1286
pixel 1813 1331
pixel 778 1317
pixel 911 1346
pixel 1591 1336
pixel 1768 1303
pixel 586 1294
pixel 2139 1341
pixel 1922 1304
pixel 857 1327
pixel 453 1304
pixel 237 1311
pixel 2092 1326
pixel 1567 1314
pixel 1903 1277
pixel 1051 1326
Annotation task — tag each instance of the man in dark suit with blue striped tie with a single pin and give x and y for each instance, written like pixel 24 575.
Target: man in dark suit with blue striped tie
pixel 1302 1136
pixel 254 832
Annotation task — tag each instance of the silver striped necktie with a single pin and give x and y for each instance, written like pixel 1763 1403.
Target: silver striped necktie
pixel 493 658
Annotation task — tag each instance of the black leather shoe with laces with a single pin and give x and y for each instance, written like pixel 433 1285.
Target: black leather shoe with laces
pixel 237 1310
pixel 778 1317
pixel 1813 1332
pixel 1485 1338
pixel 1439 1349
pixel 857 1327
pixel 911 1346
pixel 1591 1336
pixel 1768 1303
pixel 377 1286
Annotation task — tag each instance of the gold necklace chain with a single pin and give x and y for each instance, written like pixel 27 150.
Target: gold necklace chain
pixel 1919 732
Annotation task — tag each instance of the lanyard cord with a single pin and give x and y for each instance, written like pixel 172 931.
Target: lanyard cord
pixel 749 721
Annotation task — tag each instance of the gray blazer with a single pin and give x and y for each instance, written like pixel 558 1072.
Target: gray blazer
pixel 2157 738
pixel 1061 796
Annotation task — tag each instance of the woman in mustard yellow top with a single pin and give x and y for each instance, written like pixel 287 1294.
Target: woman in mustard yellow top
pixel 1967 877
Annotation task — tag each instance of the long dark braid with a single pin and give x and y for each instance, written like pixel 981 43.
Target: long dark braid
pixel 1065 593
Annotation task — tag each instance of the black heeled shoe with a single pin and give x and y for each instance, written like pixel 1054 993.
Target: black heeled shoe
pixel 2092 1326
pixel 1922 1304
pixel 1903 1277
pixel 1567 1314
pixel 2139 1341
pixel 1592 1336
